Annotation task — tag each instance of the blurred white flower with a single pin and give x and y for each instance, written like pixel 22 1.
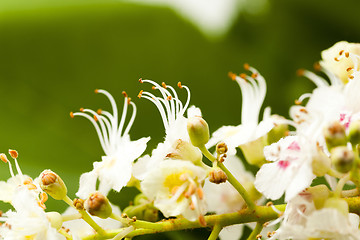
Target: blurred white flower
pixel 115 169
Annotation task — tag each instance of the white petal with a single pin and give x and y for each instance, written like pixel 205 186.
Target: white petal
pixel 87 184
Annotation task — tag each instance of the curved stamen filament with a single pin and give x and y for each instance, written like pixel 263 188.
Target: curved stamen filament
pixel 177 106
pixel 160 108
pixel 131 119
pixel 187 100
pixel 123 116
pixel 113 105
pixel 318 81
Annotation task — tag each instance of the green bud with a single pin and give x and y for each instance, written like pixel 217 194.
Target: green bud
pixel 354 132
pixel 216 175
pixel 98 205
pixel 339 204
pixel 53 185
pixel 342 158
pixel 335 135
pixel 254 151
pixel 151 214
pixel 278 131
pixel 198 130
pixel 140 199
pixel 55 219
pixel 185 151
pixel 321 164
pixel 320 194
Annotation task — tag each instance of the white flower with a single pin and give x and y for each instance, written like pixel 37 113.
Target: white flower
pixel 80 229
pixel 29 221
pixel 250 134
pixel 115 169
pixel 302 221
pixel 177 141
pixel 290 171
pixel 176 188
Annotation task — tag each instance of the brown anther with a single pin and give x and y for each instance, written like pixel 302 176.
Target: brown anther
pixel 124 215
pixel 221 148
pixel 297 102
pixel 96 91
pixel 43 197
pixel 124 93
pixel 243 75
pixel 140 93
pixel 349 69
pixel 303 110
pixel 192 206
pixel 71 114
pixel 3 157
pixel 341 52
pixel 191 190
pixel 164 85
pixel 179 85
pixel 269 234
pixel 129 100
pixel 81 109
pixel 300 72
pixel 168 98
pixel 265 224
pixel 347 54
pixel 232 76
pixel 42 205
pixel 259 236
pixel 317 66
pixel 96 118
pixel 140 80
pixel 222 159
pixel 153 87
pixel 202 220
pixel 27 181
pixel 134 218
pixel 31 186
pixel 254 75
pixel 216 175
pixel 48 178
pixel 246 66
pixel 13 153
pixel 200 193
pixel 268 204
pixel 336 59
pixel 351 77
pixel 99 111
pixel 79 203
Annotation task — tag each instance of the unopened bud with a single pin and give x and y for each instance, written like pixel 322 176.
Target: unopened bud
pixel 335 135
pixel 98 205
pixel 339 204
pixel 198 130
pixel 53 185
pixel 55 219
pixel 321 164
pixel 354 132
pixel 342 158
pixel 185 151
pixel 216 175
pixel 254 151
pixel 221 148
pixel 79 203
pixel 320 193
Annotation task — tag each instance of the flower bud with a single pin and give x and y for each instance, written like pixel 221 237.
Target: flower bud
pixel 53 185
pixel 321 164
pixel 216 175
pixel 335 135
pixel 342 158
pixel 254 151
pixel 221 148
pixel 98 205
pixel 319 194
pixel 55 219
pixel 198 130
pixel 354 132
pixel 185 151
pixel 339 204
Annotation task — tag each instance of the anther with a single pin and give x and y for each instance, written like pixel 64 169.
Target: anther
pixel 200 193
pixel 192 206
pixel 317 66
pixel 96 91
pixel 179 85
pixel 341 52
pixel 169 98
pixel 243 75
pixel 232 76
pixel 300 72
pixel 349 69
pixel 31 186
pixel 129 100
pixel 254 75
pixel 246 66
pixel 265 224
pixel 43 197
pixel 3 158
pixel 351 77
pixel 297 102
pixel 95 117
pixel 268 204
pixel 134 218
pixel 71 114
pixel 124 93
pixel 153 87
pixel 79 203
pixel 99 111
pixel 140 93
pixel 13 153
pixel 202 220
pixel 140 80
pixel 303 110
pixel 347 54
pixel 258 236
pixel 336 59
pixel 81 109
pixel 164 85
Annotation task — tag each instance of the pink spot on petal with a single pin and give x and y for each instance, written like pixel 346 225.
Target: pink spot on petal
pixel 283 164
pixel 294 146
pixel 342 116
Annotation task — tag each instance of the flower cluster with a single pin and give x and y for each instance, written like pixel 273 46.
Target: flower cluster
pixel 195 179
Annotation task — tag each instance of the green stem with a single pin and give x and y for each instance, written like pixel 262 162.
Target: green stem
pixel 354 173
pixel 215 232
pixel 207 154
pixel 350 193
pixel 256 231
pixel 69 201
pixel 334 173
pixel 237 185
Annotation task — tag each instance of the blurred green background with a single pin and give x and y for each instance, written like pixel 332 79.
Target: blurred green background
pixel 53 54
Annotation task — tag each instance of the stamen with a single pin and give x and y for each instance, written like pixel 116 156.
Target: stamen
pixel 81 109
pixel 347 54
pixel 254 75
pixel 95 118
pixel 168 98
pixel 351 77
pixel 153 88
pixel 200 193
pixel 140 93
pixel 336 59
pixel 243 76
pixel 128 100
pixel 192 206
pixel 3 158
pixel 246 66
pixel 300 72
pixel 232 76
pixel 317 66
pixel 132 119
pixel 124 93
pixel 13 153
pixel 71 114
pixel 349 69
pixel 179 85
pixel 99 111
pixel 140 80
pixel 96 91
pixel 341 52
pixel 164 85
